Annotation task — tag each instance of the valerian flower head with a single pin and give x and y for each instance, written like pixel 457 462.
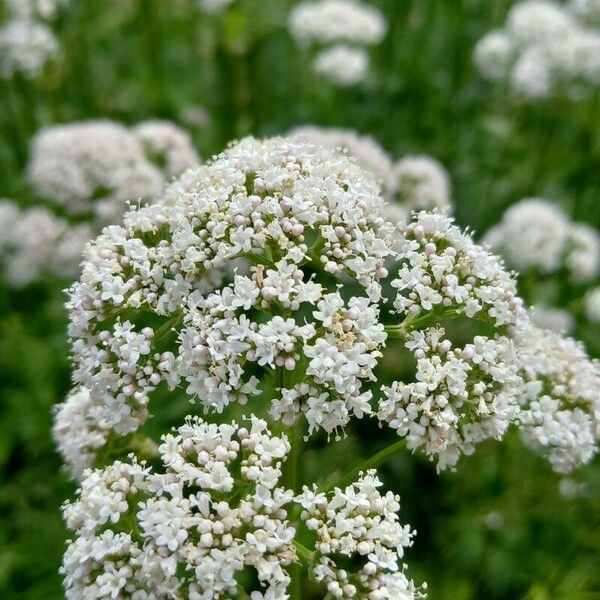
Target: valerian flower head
pixel 560 413
pixel 26 46
pixel 150 306
pixel 494 54
pixel 359 525
pixel 341 29
pixel 334 21
pixel 443 270
pixel 544 49
pixel 167 145
pixel 548 241
pixel 422 183
pixel 342 65
pixel 92 167
pixel 461 396
pixel 186 529
pixel 36 243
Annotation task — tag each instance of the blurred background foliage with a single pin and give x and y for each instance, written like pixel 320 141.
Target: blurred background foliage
pixel 503 526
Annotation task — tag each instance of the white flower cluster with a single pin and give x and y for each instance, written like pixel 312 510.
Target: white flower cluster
pixel 289 207
pixel 99 166
pixel 560 413
pixel 34 243
pixel 26 45
pixel 213 510
pixel 363 148
pixel 168 146
pixel 461 396
pixel 592 305
pixel 342 29
pixel 342 65
pixel 542 50
pixel 359 525
pixel 422 183
pixel 548 241
pixel 554 319
pixel 445 272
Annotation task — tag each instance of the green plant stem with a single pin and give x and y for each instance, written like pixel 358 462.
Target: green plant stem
pixel 292 482
pixel 305 555
pixel 371 463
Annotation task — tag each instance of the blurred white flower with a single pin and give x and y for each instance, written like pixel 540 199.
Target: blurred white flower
pixel 92 167
pixel 168 146
pixel 544 49
pixel 36 243
pixel 547 240
pixel 342 65
pixel 25 47
pixel 215 6
pixel 422 183
pixel 560 412
pixel 333 21
pixel 494 54
pixel 554 319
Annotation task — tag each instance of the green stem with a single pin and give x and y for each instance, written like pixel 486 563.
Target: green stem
pixel 371 463
pixel 153 48
pixel 292 482
pixel 401 330
pixel 305 555
pixel 167 326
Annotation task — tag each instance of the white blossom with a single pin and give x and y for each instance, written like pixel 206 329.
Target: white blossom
pixel 31 9
pixel 460 396
pixel 36 243
pixel 186 529
pixel 290 208
pixel 342 65
pixel 74 437
pixel 26 46
pixel 92 167
pixel 443 270
pixel 560 403
pixel 547 240
pixel 215 6
pixel 422 183
pixel 333 21
pixel 358 523
pixel 494 54
pixel 544 49
pixel 167 145
pixel 587 10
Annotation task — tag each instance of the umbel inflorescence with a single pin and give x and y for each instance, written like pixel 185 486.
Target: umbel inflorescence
pixel 271 278
pixel 545 49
